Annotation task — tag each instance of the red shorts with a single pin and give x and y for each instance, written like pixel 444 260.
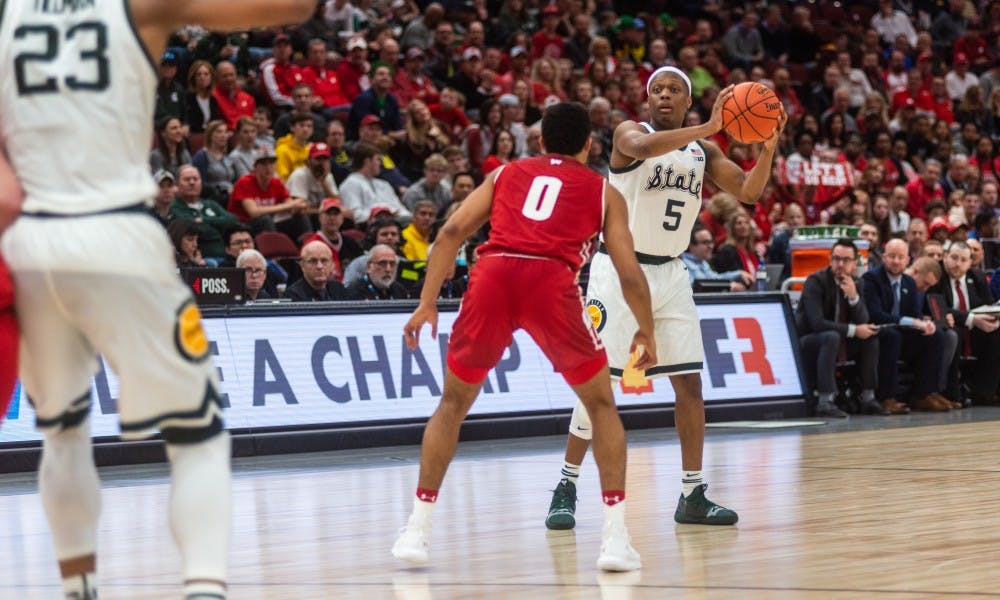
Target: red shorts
pixel 8 340
pixel 540 296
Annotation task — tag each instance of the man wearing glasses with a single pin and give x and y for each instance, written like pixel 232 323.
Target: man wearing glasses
pixel 379 282
pixel 700 252
pixel 316 285
pixel 833 326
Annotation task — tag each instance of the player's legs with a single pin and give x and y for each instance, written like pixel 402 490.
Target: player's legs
pixel 441 434
pixel 57 365
pixel 436 451
pixel 680 332
pixel 151 334
pixel 479 336
pixel 689 418
pixel 617 553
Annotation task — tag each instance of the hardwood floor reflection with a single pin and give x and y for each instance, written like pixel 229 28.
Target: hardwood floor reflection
pixel 895 513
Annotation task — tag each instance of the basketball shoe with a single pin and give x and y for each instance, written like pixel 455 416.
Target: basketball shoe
pixel 699 510
pixel 413 542
pixel 617 553
pixel 563 506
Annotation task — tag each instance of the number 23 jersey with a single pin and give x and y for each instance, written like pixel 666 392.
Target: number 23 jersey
pixel 548 206
pixel 663 195
pixel 77 89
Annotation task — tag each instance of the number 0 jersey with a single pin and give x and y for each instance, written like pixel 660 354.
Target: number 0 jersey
pixel 663 195
pixel 547 206
pixel 77 89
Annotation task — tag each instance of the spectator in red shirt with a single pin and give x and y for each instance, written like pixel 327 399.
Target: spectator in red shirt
pixel 280 75
pixel 353 71
pixel 261 200
pixel 450 114
pixel 925 188
pixel 233 102
pixel 329 98
pixel 922 99
pixel 974 47
pixel 546 41
pixel 410 83
pixel 942 103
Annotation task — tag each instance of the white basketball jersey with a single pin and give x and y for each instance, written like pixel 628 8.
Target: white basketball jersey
pixel 663 195
pixel 77 89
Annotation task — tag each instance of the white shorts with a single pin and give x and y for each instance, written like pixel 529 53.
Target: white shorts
pixel 675 318
pixel 145 324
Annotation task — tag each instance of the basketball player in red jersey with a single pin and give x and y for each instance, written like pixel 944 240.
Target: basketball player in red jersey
pixel 545 213
pixel 10 204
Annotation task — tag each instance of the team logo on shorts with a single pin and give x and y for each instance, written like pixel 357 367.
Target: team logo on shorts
pixel 189 333
pixel 598 315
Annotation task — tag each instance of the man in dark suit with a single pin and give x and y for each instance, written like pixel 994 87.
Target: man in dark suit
pixel 964 290
pixel 833 324
pixel 891 298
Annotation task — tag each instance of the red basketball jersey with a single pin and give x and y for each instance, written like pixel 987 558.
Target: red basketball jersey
pixel 548 206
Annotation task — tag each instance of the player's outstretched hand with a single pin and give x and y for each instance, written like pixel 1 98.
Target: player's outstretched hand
pixel 420 317
pixel 716 119
pixel 646 343
pixel 772 142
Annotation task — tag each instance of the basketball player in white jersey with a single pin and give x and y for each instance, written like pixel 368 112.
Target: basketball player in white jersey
pixel 659 167
pixel 94 272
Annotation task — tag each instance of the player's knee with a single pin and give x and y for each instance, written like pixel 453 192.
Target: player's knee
pixel 579 423
pixel 687 388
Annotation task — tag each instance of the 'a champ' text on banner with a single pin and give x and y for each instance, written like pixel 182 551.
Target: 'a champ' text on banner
pixel 351 368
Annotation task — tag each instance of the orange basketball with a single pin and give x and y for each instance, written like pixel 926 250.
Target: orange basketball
pixel 751 114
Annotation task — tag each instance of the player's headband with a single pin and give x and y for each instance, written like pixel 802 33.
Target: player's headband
pixel 667 69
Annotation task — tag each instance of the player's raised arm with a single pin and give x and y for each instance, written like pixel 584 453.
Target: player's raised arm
pixel 726 174
pixel 470 216
pixel 157 19
pixel 635 289
pixel 11 195
pixel 634 142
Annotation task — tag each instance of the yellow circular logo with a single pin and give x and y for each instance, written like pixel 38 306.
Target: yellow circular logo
pixel 191 338
pixel 597 314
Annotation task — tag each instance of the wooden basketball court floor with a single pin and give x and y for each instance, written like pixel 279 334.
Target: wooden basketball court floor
pixel 894 508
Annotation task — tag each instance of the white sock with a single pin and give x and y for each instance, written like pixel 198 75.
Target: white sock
pixel 71 497
pixel 689 481
pixel 423 512
pixel 570 472
pixel 614 515
pixel 82 586
pixel 201 511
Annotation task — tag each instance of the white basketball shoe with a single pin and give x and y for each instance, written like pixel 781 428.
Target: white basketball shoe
pixel 413 542
pixel 617 553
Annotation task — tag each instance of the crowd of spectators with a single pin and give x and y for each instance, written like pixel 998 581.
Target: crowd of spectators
pixel 383 114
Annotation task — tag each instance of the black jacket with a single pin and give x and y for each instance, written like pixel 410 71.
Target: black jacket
pixel 818 305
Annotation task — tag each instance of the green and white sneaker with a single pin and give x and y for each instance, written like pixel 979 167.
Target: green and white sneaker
pixel 699 510
pixel 563 506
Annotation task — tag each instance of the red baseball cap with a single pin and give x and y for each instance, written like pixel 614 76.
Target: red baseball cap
pixel 371 120
pixel 319 149
pixel 329 203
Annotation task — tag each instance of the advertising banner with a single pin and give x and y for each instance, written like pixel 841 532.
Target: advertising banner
pixel 342 369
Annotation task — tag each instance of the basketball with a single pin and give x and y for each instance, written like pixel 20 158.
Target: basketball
pixel 752 113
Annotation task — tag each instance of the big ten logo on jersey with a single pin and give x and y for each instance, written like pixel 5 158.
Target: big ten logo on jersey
pixel 597 315
pixel 724 339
